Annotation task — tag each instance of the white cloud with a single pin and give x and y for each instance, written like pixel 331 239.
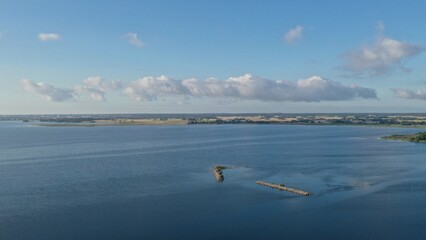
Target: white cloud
pixel 132 39
pixel 247 87
pixel 409 94
pixel 149 88
pixel 44 37
pixel 96 88
pixel 47 91
pixel 383 56
pixel 293 34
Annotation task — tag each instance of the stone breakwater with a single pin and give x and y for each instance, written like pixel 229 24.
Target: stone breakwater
pixel 281 187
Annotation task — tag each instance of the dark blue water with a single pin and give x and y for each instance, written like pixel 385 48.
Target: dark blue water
pixel 155 182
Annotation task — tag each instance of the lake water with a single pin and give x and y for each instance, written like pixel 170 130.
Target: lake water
pixel 156 182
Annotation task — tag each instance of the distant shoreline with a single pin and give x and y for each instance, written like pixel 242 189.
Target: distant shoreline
pixel 180 123
pixel 365 120
pixel 118 122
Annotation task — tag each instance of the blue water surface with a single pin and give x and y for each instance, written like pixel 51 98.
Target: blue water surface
pixel 156 182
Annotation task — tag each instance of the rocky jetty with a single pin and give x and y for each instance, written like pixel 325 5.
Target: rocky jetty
pixel 281 187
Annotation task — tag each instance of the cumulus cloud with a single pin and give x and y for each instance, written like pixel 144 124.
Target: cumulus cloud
pixel 409 94
pixel 149 88
pixel 293 34
pixel 383 56
pixel 44 37
pixel 47 91
pixel 247 87
pixel 96 88
pixel 132 39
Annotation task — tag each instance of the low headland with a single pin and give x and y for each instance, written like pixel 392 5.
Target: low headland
pixel 419 137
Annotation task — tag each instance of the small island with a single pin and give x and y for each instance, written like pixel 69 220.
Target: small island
pixel 417 137
pixel 217 171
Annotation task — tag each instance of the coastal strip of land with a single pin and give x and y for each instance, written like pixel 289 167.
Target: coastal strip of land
pixel 114 122
pixel 93 120
pixel 417 137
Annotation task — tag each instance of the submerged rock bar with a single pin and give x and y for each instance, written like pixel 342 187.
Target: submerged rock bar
pixel 284 188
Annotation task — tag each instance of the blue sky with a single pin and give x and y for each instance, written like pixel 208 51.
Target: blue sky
pixel 161 56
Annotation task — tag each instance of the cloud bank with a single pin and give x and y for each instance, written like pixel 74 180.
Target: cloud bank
pixel 47 91
pixel 132 39
pixel 96 88
pixel 44 37
pixel 409 94
pixel 383 56
pixel 293 34
pixel 245 87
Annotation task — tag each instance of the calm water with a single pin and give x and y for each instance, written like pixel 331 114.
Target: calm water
pixel 155 182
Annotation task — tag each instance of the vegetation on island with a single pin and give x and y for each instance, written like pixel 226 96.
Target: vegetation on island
pixel 220 168
pixel 417 137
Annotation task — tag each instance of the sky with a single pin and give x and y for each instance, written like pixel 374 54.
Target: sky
pixel 219 56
